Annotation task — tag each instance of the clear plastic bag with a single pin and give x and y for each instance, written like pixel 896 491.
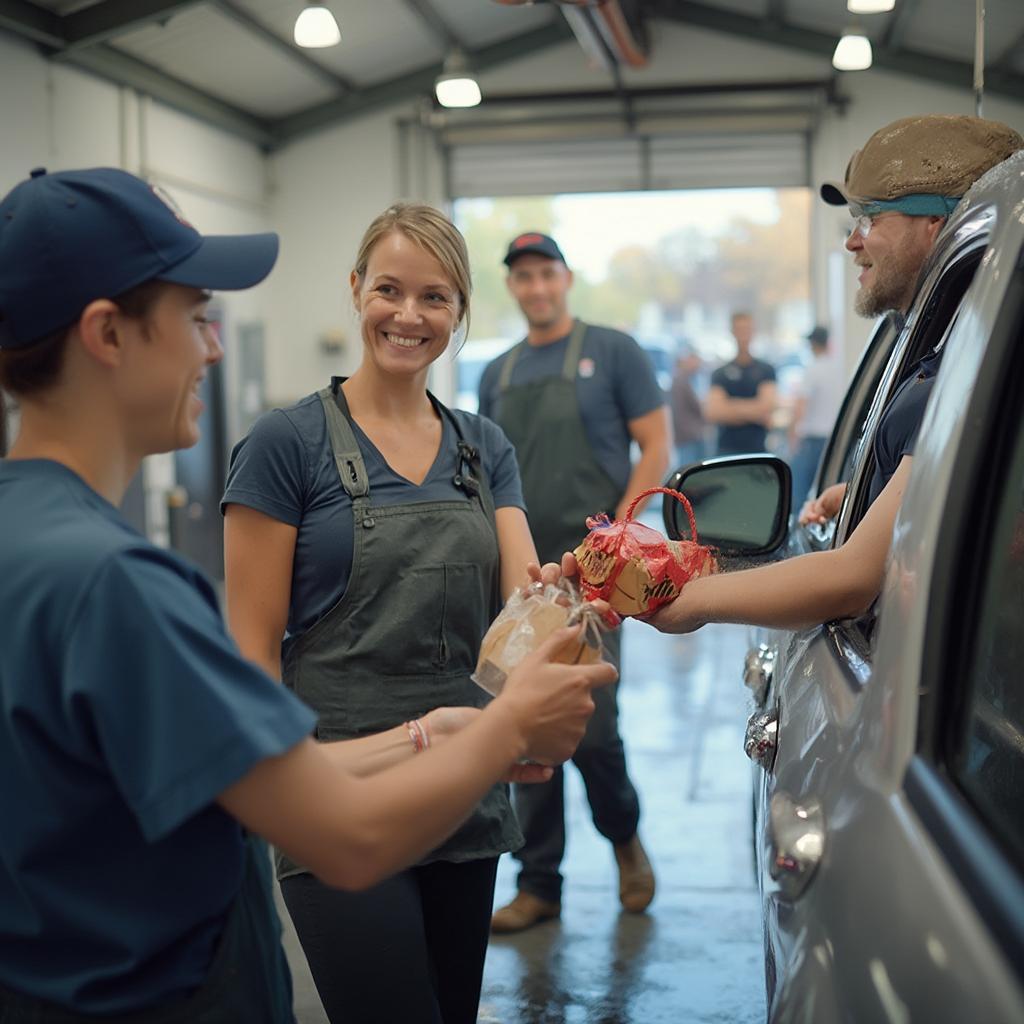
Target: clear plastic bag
pixel 529 617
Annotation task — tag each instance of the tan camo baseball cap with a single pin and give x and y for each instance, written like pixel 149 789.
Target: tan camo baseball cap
pixel 935 154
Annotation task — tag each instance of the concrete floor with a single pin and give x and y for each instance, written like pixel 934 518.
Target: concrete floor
pixel 695 957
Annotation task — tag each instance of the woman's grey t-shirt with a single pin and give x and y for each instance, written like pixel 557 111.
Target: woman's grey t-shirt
pixel 285 469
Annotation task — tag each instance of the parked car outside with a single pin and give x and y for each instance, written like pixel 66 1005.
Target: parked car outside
pixel 889 787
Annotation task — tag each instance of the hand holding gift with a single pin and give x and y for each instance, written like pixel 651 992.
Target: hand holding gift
pixel 634 568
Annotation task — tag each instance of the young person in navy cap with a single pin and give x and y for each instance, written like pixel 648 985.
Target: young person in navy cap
pixel 140 754
pixel 572 398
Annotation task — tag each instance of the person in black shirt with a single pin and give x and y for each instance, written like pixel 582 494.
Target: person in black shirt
pixel 742 395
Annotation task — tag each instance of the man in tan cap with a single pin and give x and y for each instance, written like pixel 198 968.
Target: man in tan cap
pixel 900 189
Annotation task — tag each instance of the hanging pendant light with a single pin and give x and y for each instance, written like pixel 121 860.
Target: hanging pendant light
pixel 853 51
pixel 456 86
pixel 316 28
pixel 869 6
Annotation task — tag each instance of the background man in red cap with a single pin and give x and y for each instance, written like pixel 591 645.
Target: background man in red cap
pixel 572 398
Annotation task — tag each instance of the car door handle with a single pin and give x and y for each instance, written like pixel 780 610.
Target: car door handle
pixel 762 738
pixel 797 838
pixel 758 667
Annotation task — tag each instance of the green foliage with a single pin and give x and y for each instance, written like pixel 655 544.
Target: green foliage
pixel 750 265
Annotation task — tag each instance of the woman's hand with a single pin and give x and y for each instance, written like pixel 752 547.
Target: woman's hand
pixel 551 572
pixel 442 723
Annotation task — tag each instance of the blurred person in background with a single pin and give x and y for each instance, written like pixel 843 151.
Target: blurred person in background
pixel 687 410
pixel 815 407
pixel 741 399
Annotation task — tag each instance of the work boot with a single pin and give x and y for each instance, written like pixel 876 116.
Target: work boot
pixel 636 878
pixel 523 912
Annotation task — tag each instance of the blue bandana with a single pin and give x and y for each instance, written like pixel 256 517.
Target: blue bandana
pixel 920 205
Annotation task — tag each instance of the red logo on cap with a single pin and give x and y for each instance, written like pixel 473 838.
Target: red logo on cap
pixel 528 240
pixel 170 204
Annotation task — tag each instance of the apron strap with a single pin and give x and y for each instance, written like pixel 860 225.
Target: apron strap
pixel 347 456
pixel 505 379
pixel 574 350
pixel 469 475
pixel 572 357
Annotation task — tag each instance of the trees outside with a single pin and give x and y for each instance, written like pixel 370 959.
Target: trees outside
pixel 683 283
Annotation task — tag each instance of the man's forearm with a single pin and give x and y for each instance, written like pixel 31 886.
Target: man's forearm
pixel 738 412
pixel 650 471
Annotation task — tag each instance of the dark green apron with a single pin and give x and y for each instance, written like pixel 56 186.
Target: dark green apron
pixel 563 482
pixel 248 981
pixel 404 637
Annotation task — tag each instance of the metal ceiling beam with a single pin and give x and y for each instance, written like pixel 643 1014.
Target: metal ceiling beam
pixel 31 22
pixel 437 25
pixel 953 73
pixel 238 14
pixel 416 83
pixel 103 21
pixel 899 24
pixel 116 66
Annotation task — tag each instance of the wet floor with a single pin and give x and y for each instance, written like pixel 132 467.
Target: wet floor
pixel 695 956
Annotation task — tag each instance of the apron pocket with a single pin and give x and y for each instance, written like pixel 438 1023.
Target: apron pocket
pixel 432 621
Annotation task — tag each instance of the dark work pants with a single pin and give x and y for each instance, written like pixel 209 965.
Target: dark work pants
pixel 613 800
pixel 410 949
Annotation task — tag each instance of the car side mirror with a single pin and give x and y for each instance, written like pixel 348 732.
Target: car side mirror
pixel 740 504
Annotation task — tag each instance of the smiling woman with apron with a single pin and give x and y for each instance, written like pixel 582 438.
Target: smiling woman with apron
pixel 377 505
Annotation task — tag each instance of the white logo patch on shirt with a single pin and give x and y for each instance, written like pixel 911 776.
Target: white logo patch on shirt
pixel 586 367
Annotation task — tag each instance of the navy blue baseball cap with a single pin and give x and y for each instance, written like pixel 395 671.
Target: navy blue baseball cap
pixel 69 238
pixel 535 242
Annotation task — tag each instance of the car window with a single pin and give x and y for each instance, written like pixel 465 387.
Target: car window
pixel 838 460
pixel 987 757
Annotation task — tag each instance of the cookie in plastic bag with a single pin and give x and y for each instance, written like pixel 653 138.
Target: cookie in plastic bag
pixel 529 617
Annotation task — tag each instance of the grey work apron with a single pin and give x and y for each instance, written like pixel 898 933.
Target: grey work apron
pixel 404 637
pixel 248 981
pixel 563 482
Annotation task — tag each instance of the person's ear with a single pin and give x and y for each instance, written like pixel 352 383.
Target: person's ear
pixel 101 330
pixel 355 284
pixel 569 277
pixel 933 227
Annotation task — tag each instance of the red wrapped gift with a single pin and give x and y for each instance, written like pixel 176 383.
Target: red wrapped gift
pixel 634 568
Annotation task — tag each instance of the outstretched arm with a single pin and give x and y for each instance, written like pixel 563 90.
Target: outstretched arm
pixel 802 591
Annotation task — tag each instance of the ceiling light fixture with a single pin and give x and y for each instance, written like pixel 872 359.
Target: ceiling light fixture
pixel 456 86
pixel 315 27
pixel 853 51
pixel 869 6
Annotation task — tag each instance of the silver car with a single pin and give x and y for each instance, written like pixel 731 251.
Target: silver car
pixel 889 787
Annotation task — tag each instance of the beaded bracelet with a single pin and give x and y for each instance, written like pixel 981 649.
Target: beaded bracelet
pixel 418 734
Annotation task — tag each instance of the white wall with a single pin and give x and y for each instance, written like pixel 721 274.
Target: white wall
pixel 326 190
